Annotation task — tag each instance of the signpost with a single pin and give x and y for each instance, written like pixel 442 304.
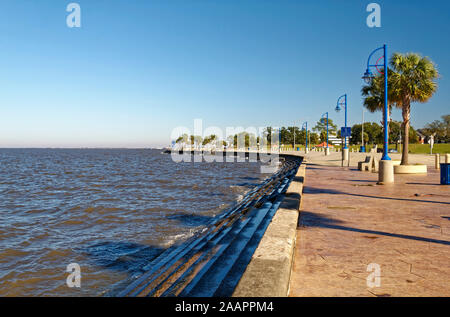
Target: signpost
pixel 346 132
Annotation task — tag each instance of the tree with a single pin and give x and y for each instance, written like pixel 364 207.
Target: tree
pixel 356 134
pixel 244 139
pixel 440 129
pixel 396 133
pixel 373 133
pixel 373 94
pixel 446 120
pixel 182 139
pixel 209 139
pixel 287 135
pixel 413 80
pixel 321 128
pixel 268 135
pixel 198 139
pixel 313 138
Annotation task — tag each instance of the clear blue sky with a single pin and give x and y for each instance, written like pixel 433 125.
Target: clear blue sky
pixel 137 69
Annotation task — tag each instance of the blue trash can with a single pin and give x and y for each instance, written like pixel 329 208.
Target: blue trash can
pixel 445 173
pixel 362 149
pixel 298 149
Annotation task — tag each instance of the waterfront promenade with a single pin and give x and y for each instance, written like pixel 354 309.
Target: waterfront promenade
pixel 347 221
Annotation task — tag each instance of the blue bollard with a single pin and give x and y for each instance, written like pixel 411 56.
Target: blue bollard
pixel 445 173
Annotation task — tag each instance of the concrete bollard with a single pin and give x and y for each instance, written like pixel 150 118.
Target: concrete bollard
pixel 437 161
pixel 447 158
pixel 345 154
pixel 386 172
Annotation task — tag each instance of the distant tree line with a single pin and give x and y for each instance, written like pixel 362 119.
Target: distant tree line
pixel 440 129
pixel 373 133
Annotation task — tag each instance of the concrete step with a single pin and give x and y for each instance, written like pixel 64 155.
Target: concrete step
pixel 226 265
pixel 173 254
pixel 211 263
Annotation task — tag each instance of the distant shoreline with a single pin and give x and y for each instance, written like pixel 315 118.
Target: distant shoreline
pixel 81 148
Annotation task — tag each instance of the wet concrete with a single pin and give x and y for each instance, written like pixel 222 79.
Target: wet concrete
pixel 347 222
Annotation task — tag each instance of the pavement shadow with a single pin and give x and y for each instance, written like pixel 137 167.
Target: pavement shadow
pixel 308 167
pixel 363 180
pixel 310 219
pixel 300 179
pixel 313 190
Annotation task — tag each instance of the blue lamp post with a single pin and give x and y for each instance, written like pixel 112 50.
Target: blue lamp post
pixel 338 108
pixel 368 76
pixel 386 170
pixel 305 127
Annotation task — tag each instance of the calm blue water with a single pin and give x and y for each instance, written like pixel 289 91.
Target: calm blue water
pixel 110 211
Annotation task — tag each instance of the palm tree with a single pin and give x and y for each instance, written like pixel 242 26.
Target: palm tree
pixel 374 95
pixel 413 80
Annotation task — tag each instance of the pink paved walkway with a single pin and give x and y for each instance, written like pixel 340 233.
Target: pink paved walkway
pixel 348 222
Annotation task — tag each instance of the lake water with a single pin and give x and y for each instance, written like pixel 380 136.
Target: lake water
pixel 111 211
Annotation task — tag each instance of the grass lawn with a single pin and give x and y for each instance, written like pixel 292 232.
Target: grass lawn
pixel 413 148
pixel 440 148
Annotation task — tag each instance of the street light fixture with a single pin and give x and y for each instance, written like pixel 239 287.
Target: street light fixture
pixel 342 101
pixel 368 76
pixel 386 171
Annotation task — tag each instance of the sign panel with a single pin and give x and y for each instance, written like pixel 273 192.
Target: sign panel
pixel 346 132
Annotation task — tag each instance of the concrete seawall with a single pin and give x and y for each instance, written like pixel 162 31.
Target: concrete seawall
pixel 212 262
pixel 268 272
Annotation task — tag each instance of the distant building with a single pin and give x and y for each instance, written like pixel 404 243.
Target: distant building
pixel 333 139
